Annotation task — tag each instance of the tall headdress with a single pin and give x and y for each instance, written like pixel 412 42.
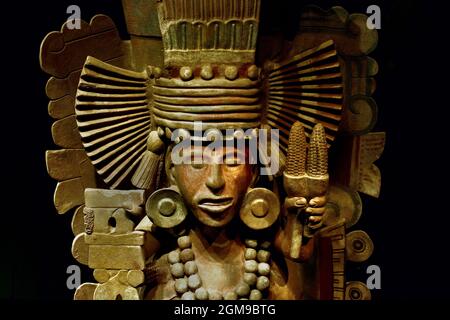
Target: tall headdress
pixel 209 51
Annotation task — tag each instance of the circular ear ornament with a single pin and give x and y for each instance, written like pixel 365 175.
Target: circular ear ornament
pixel 165 208
pixel 260 209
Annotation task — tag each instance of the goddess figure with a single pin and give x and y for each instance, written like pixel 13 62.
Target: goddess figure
pixel 199 174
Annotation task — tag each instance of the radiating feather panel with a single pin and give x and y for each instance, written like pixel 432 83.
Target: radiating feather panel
pixel 113 119
pixel 307 87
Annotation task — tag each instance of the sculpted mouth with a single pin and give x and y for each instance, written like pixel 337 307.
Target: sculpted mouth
pixel 215 205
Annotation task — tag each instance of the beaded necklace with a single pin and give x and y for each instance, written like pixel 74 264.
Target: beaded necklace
pixel 189 286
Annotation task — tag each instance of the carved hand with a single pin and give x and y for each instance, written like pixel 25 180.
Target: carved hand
pixel 314 208
pixel 305 181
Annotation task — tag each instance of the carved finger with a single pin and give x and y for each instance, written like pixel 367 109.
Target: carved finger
pixel 315 219
pixel 317 202
pixel 297 202
pixel 315 211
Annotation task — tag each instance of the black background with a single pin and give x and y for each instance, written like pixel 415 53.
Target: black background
pixel 408 223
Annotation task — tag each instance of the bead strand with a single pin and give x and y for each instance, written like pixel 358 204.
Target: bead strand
pixel 188 284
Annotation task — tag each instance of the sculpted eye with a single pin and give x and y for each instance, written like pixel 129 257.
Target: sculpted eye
pixel 198 165
pixel 233 159
pixel 232 162
pixel 197 161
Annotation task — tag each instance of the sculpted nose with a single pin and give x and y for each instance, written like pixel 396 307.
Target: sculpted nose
pixel 215 181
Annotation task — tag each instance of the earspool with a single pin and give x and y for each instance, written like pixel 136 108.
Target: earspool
pixel 165 208
pixel 260 209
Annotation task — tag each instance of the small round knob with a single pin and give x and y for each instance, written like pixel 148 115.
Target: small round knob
pixel 260 208
pixel 157 72
pixel 186 73
pixel 207 72
pixel 166 207
pixel 252 72
pixel 231 72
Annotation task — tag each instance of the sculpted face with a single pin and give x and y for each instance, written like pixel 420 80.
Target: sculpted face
pixel 213 187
